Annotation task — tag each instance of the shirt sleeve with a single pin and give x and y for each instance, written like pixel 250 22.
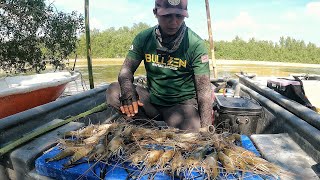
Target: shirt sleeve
pixel 136 51
pixel 201 59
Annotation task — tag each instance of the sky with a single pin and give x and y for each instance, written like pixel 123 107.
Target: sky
pixel 261 19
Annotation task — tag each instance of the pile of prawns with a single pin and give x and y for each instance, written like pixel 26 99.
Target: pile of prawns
pixel 168 150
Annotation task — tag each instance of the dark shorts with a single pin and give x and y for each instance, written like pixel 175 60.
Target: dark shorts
pixel 184 115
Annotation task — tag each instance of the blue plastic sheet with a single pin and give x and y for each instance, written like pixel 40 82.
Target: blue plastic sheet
pixel 55 169
pixel 124 171
pixel 248 145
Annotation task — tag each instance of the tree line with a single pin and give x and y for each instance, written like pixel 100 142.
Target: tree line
pixel 114 43
pixel 110 43
pixel 34 34
pixel 286 50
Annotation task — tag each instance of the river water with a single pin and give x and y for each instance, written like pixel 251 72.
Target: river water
pixel 109 73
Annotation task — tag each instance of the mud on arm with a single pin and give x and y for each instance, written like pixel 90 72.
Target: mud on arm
pixel 203 90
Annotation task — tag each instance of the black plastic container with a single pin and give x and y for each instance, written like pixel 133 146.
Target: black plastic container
pixel 236 115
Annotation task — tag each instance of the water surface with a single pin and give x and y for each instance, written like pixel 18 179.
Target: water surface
pixel 109 73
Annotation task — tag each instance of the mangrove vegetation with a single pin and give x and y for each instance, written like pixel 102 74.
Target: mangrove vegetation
pixel 34 34
pixel 114 43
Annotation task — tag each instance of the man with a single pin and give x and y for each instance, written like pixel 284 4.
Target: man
pixel 177 67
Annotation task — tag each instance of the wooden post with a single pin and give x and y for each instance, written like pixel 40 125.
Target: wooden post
pixel 88 44
pixel 213 60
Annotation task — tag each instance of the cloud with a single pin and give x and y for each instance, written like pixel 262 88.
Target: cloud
pixel 142 17
pixel 313 9
pixel 95 23
pixel 243 20
pixel 246 26
pixel 119 6
pixel 67 5
pixel 267 20
pixel 243 25
pixel 289 16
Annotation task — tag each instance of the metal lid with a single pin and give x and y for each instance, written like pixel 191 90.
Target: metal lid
pixel 241 105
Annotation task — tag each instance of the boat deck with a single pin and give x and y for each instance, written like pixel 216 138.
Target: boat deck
pixel 311 88
pixel 279 148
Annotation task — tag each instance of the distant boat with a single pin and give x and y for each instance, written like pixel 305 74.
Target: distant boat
pixel 305 76
pixel 20 93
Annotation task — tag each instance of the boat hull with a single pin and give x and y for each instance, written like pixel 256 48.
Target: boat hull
pixel 16 103
pixel 276 124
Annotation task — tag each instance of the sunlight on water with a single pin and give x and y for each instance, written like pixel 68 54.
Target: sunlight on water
pixel 106 74
pixel 109 73
pixel 263 70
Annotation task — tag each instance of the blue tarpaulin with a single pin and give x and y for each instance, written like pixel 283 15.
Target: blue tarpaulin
pixel 124 171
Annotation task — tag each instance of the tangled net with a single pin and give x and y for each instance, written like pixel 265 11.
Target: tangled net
pixel 166 150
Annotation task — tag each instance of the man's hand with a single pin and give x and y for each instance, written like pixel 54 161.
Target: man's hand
pixel 130 104
pixel 129 97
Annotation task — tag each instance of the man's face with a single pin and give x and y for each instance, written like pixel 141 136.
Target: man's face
pixel 170 23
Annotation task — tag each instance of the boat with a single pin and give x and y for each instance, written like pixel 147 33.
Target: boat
pixel 311 83
pixel 19 93
pixel 284 132
pixel 301 88
pixel 306 76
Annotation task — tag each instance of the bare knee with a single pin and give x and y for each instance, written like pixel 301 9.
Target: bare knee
pixel 113 94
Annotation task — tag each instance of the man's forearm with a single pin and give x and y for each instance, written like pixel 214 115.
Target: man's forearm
pixel 125 77
pixel 203 89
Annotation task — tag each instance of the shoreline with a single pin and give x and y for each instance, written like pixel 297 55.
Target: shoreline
pixel 119 61
pixel 268 63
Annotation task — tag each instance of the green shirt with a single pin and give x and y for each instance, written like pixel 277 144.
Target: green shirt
pixel 171 81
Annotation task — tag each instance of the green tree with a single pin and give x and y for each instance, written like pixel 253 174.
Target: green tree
pixel 286 50
pixel 111 42
pixel 34 34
